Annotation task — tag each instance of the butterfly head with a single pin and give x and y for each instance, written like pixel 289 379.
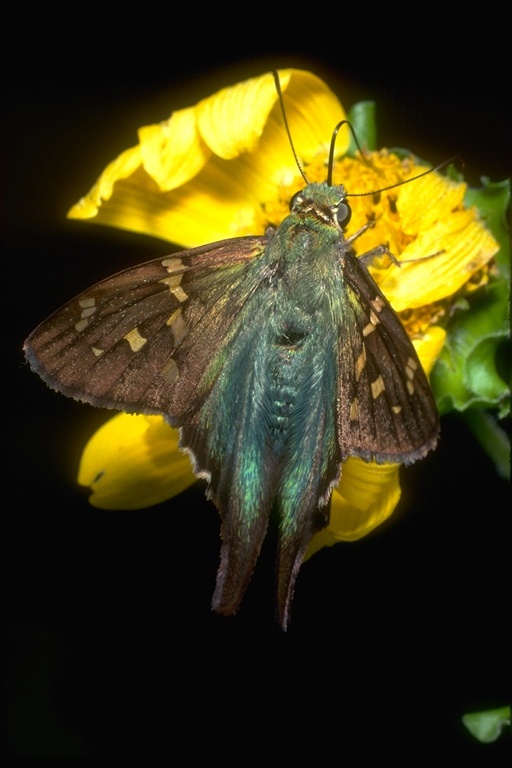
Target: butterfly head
pixel 325 202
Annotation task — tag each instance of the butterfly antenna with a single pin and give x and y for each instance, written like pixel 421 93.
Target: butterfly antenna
pixel 330 165
pixel 406 181
pixel 281 102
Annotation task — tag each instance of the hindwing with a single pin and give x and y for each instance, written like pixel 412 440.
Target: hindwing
pixel 387 412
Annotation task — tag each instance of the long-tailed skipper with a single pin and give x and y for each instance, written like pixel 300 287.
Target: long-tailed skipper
pixel 276 355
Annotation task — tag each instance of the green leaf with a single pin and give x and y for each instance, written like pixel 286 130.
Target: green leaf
pixel 466 373
pixel 487 726
pixel 471 372
pixel 362 119
pixel 493 201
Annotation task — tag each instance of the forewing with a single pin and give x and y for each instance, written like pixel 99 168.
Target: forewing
pixel 125 342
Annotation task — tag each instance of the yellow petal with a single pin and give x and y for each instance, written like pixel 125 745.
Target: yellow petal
pixel 429 346
pixel 133 462
pixel 450 244
pixel 232 120
pixel 173 152
pixel 203 174
pixel 365 498
pixel 462 246
pixel 424 201
pixel 122 167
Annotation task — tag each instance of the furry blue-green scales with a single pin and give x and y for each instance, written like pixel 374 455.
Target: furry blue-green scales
pixel 267 430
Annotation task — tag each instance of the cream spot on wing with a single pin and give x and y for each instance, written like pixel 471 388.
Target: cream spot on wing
pixel 88 307
pixel 396 408
pixel 173 283
pixel 87 302
pixel 369 328
pixel 360 364
pixel 378 303
pixel 170 371
pixel 135 340
pixel 373 318
pixel 410 367
pixel 377 387
pixel 179 293
pixel 97 351
pixel 354 409
pixel 410 387
pixel 178 325
pixel 173 264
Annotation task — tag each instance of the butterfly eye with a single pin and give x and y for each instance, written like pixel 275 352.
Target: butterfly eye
pixel 296 197
pixel 344 214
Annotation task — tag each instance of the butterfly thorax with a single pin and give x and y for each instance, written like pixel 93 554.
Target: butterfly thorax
pixel 307 256
pixel 296 351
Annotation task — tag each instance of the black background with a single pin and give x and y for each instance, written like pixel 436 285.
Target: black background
pixel 113 649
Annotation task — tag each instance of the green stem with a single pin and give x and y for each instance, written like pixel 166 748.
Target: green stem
pixel 493 439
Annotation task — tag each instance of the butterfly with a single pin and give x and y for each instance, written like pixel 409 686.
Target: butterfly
pixel 277 356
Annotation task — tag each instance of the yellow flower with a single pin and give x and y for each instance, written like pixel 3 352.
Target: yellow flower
pixel 224 168
pixel 133 462
pixel 203 174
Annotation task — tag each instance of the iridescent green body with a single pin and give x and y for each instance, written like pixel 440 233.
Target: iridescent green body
pixel 277 356
pixel 279 386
